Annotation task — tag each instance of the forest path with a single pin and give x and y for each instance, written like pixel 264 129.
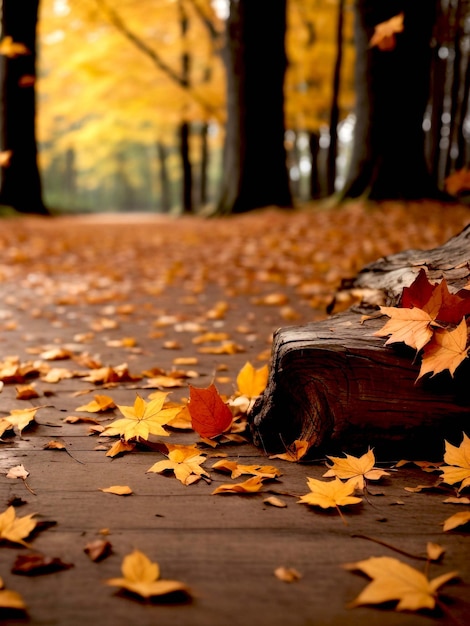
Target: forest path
pixel 141 289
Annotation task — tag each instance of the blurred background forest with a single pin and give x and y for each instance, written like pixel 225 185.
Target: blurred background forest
pixel 229 105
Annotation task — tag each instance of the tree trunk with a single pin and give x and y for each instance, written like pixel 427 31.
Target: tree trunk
pixel 184 128
pixel 314 144
pixel 255 173
pixel 20 181
pixel 165 193
pixel 388 159
pixel 334 112
pixel 337 386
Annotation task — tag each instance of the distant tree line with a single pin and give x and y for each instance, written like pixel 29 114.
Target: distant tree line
pixel 412 118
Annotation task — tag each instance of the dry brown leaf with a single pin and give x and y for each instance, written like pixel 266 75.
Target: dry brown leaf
pixel 26 392
pixel 287 574
pixel 410 326
pixel 36 564
pixel 98 550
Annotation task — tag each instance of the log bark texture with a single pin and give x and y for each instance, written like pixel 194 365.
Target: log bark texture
pixel 336 385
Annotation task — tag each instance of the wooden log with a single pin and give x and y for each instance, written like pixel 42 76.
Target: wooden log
pixel 337 386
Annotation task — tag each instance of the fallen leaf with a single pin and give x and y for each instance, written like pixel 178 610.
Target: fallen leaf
pixel 21 418
pixel 275 501
pixel 458 519
pixel 361 469
pixel 37 564
pixel 252 382
pixel 294 452
pixel 237 469
pixel 98 550
pixel 457 469
pixel 184 461
pixel 120 447
pixel 210 416
pixel 143 419
pixel 142 577
pixel 16 529
pixel 18 471
pixel 10 599
pixel 252 485
pixel 434 551
pixel 457 500
pixel 394 580
pixel 100 403
pixel 55 445
pixel 26 392
pixel 118 490
pixel 287 574
pixel 332 493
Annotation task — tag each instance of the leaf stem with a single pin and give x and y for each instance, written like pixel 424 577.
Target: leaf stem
pixel 390 547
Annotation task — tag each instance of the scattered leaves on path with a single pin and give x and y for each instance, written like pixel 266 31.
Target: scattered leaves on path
pixel 184 461
pixel 252 485
pixel 331 494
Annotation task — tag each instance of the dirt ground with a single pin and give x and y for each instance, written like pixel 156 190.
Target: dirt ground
pixel 157 294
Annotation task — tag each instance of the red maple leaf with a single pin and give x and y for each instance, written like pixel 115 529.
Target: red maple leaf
pixel 210 416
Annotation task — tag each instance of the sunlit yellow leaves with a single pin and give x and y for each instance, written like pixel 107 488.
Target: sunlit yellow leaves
pixel 252 485
pixel 458 519
pixel 12 49
pixel 361 469
pixel 446 350
pixel 457 469
pixel 10 599
pixel 118 490
pixel 16 529
pixel 120 447
pixel 393 580
pixel 141 576
pixel 100 403
pixel 333 493
pixel 384 36
pixel 251 382
pixel 184 461
pixel 143 419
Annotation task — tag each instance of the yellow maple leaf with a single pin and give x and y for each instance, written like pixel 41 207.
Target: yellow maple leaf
pixel 142 577
pixel 10 599
pixel 384 36
pixel 458 519
pixel 252 485
pixel 16 529
pixel 359 468
pixel 410 326
pixel 143 419
pixel 394 580
pixel 21 417
pixel 100 403
pixel 184 461
pixel 12 49
pixel 457 469
pixel 119 447
pixel 236 469
pixel 252 382
pixel 332 493
pixel 294 452
pixel 446 350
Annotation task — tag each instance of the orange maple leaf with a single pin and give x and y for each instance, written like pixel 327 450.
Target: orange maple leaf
pixel 210 416
pixel 446 350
